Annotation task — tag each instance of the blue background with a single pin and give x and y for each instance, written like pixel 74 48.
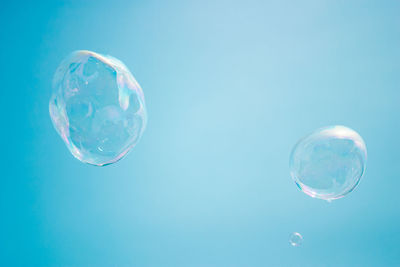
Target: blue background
pixel 230 87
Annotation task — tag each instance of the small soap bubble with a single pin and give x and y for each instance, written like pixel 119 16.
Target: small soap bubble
pixel 329 163
pixel 295 239
pixel 97 107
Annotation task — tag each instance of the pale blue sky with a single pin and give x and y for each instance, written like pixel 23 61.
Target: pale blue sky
pixel 230 86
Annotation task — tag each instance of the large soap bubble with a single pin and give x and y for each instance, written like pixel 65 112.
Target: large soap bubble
pixel 97 107
pixel 328 163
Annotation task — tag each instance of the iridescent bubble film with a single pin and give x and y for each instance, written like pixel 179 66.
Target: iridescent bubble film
pixel 97 107
pixel 295 239
pixel 329 163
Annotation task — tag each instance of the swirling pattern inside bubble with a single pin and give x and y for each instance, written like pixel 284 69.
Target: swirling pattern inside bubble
pixel 329 163
pixel 97 107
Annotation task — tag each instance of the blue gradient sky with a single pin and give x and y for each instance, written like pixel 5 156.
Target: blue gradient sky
pixel 230 87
